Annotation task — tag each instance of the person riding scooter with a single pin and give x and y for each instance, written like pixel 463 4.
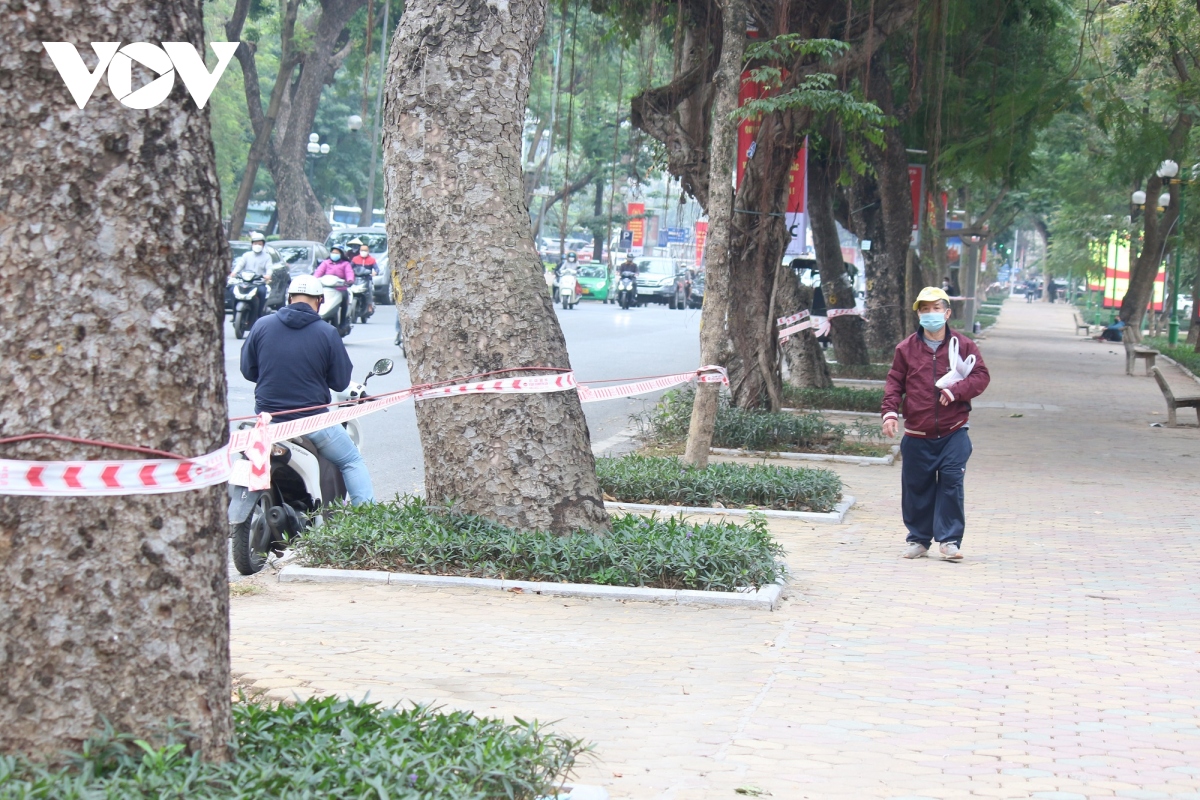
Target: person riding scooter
pixel 338 267
pixel 365 261
pixel 257 261
pixel 294 359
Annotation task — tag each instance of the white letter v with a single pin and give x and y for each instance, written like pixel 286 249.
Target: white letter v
pixel 190 66
pixel 74 72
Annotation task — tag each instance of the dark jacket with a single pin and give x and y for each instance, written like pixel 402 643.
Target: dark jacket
pixel 915 370
pixel 294 358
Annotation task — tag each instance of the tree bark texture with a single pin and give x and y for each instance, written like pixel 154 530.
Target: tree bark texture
pixel 113 608
pixel 475 298
pixel 807 367
pixel 726 83
pixel 1145 267
pixel 847 331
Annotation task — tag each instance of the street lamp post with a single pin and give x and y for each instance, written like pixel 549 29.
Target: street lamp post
pixel 1167 170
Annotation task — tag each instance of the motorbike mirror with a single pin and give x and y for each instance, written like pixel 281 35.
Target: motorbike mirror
pixel 383 366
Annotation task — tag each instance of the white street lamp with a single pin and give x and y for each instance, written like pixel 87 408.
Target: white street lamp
pixel 325 151
pixel 313 147
pixel 1168 169
pixel 354 122
pixel 1138 198
pixel 1164 200
pixel 314 138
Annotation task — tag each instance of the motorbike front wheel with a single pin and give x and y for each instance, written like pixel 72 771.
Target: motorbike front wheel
pixel 246 556
pixel 239 324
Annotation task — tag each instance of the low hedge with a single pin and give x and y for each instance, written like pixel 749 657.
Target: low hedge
pixel 327 748
pixel 860 372
pixel 1183 352
pixel 738 428
pixel 409 535
pixel 643 479
pixel 837 398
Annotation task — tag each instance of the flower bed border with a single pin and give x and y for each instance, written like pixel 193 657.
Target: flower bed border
pixel 765 599
pixel 883 461
pixel 836 516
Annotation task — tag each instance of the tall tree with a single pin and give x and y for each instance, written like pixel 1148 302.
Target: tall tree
pixel 114 608
pixel 475 299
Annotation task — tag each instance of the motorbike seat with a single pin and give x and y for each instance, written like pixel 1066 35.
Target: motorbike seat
pixel 333 486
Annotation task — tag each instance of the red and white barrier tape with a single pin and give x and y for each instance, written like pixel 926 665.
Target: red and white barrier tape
pixel 160 476
pixel 819 324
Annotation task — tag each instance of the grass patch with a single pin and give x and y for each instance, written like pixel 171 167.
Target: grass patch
pixel 985 320
pixel 325 748
pixel 1184 353
pixel 837 398
pixel 639 479
pixel 409 535
pixel 860 372
pixel 996 298
pixel 667 423
pixel 244 589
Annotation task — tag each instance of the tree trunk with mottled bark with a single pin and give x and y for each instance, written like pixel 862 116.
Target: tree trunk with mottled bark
pixel 807 367
pixel 475 298
pixel 722 159
pixel 846 331
pixel 113 608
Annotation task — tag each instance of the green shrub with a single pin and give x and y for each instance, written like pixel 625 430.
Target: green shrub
pixel 1183 352
pixel 838 398
pixel 409 535
pixel 326 748
pixel 641 479
pixel 860 372
pixel 985 320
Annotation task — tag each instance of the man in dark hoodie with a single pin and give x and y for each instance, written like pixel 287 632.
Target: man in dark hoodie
pixel 294 358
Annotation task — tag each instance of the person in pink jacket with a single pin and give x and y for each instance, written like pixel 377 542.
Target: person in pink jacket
pixel 337 266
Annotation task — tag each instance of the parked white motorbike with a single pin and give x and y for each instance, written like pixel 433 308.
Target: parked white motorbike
pixel 569 290
pixel 332 307
pixel 303 484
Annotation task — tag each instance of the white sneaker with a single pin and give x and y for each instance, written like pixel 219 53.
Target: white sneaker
pixel 950 552
pixel 916 551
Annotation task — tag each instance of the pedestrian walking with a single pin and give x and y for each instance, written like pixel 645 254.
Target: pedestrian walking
pixel 936 372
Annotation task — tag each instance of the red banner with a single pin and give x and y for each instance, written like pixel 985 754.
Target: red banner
pixel 916 189
pixel 701 239
pixel 637 227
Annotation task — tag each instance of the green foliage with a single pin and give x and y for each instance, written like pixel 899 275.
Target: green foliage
pixel 794 45
pixel 327 748
pixel 409 535
pixel 668 422
pixel 641 479
pixel 837 398
pixel 860 372
pixel 1184 353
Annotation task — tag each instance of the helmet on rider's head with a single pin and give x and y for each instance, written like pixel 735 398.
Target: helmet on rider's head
pixel 571 256
pixel 306 285
pixel 256 236
pixel 339 249
pixel 355 242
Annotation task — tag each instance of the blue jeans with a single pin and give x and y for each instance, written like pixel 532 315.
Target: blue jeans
pixel 335 444
pixel 931 477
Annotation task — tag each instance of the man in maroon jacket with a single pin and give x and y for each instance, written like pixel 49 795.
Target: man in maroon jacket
pixel 935 447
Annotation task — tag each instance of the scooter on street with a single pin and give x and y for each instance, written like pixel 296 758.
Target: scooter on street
pixel 246 303
pixel 361 294
pixel 334 306
pixel 303 485
pixel 627 289
pixel 569 290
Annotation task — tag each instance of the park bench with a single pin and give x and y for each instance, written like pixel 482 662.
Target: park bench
pixel 1136 351
pixel 1173 402
pixel 1080 325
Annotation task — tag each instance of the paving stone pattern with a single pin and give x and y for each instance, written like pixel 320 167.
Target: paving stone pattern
pixel 1058 661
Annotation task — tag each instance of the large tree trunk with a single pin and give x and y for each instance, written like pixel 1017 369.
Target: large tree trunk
pixel 807 367
pixel 113 608
pixel 475 298
pixel 300 213
pixel 1144 268
pixel 846 331
pixel 722 159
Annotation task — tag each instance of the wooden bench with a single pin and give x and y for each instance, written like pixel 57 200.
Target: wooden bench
pixel 1080 325
pixel 1136 351
pixel 1173 402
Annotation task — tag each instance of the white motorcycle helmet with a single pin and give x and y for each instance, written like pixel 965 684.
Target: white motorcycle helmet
pixel 306 285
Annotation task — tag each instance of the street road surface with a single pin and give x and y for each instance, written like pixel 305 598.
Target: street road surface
pixel 602 340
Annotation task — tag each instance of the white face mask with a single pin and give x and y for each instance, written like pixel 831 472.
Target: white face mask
pixel 256 248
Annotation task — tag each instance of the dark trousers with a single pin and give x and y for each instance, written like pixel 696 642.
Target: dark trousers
pixel 931 477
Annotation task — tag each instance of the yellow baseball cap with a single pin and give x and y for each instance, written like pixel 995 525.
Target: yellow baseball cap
pixel 929 294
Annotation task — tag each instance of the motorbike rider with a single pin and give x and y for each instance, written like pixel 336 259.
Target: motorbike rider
pixel 364 260
pixel 255 260
pixel 338 267
pixel 294 358
pixel 570 263
pixel 629 267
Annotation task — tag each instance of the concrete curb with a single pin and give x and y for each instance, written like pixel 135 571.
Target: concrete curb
pixel 836 516
pixel 766 598
pixel 885 461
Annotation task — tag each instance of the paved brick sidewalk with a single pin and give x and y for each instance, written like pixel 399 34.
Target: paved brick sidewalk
pixel 1059 661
